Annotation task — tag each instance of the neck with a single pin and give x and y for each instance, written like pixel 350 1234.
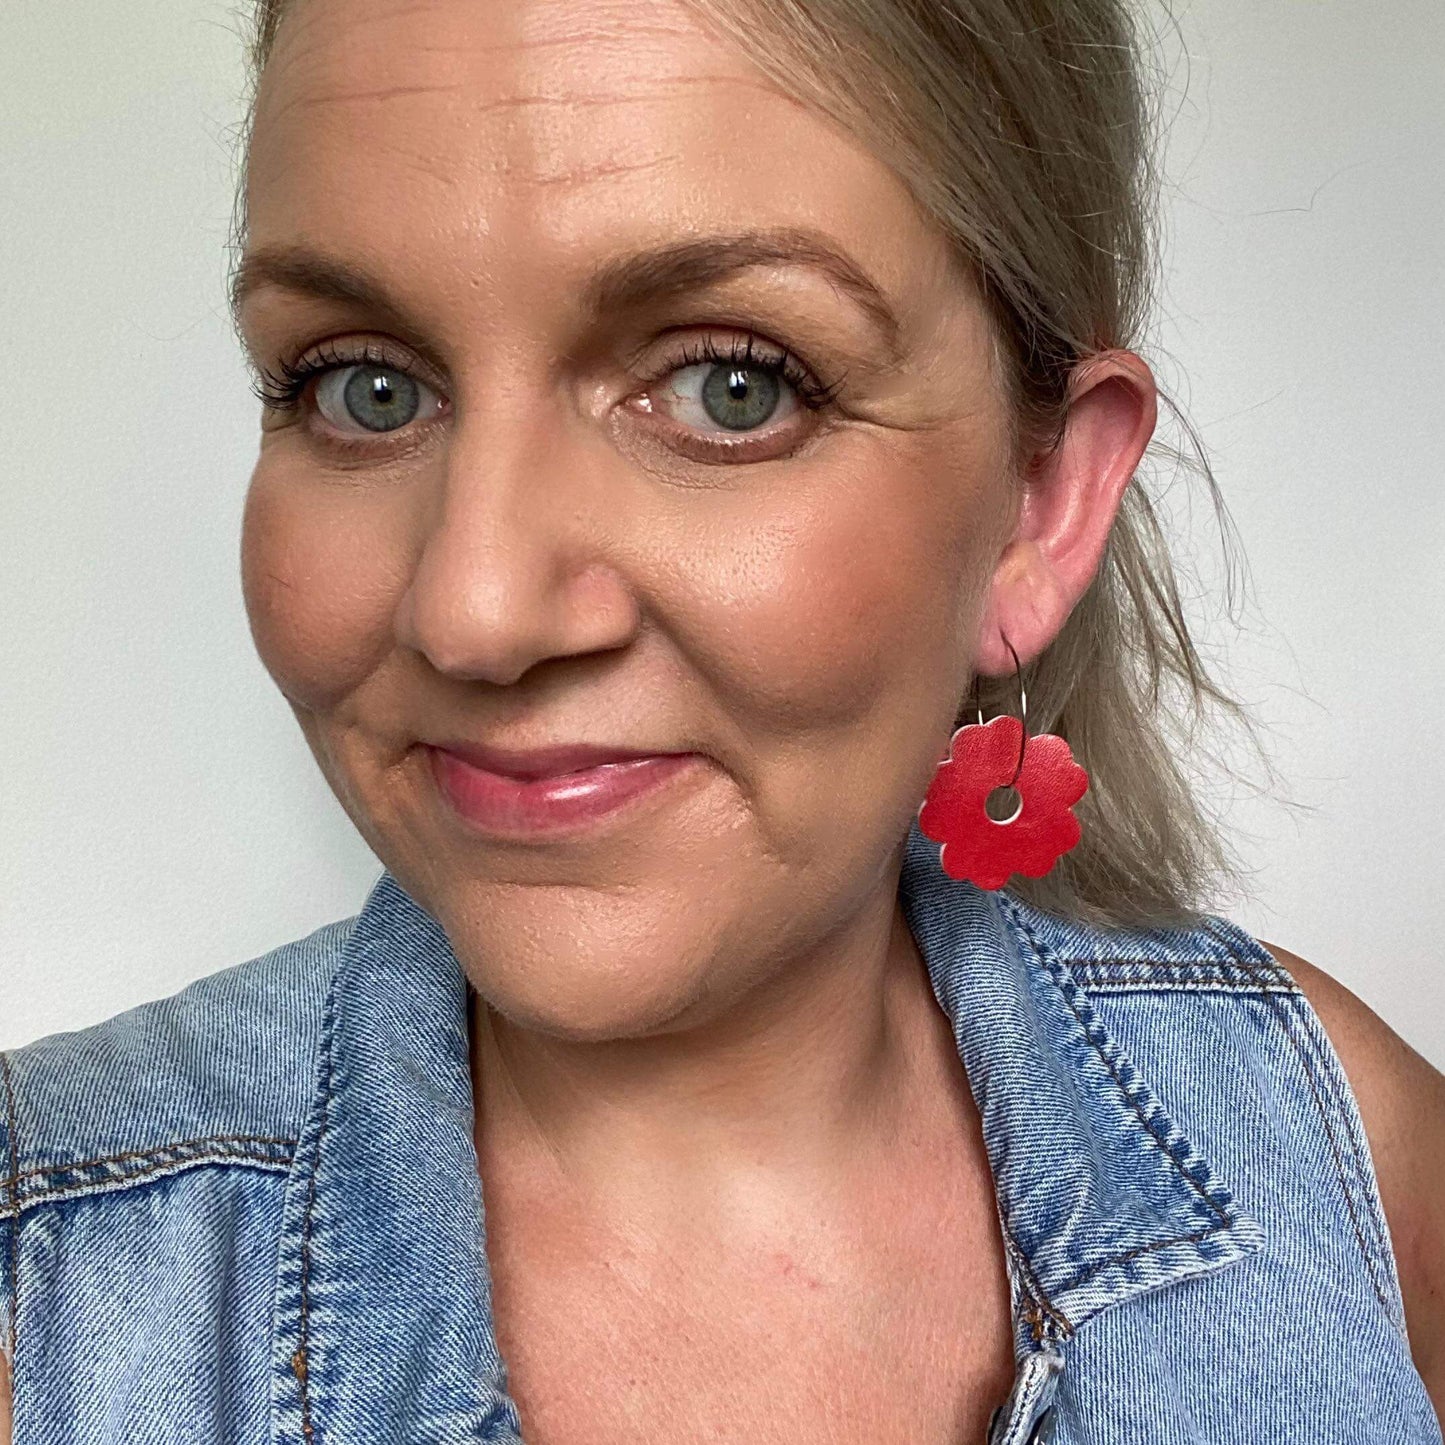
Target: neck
pixel 812 1072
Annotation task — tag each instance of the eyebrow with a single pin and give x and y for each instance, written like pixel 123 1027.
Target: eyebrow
pixel 311 273
pixel 692 264
pixel 620 284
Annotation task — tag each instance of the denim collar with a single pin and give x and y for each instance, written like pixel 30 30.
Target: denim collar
pixel 384 1292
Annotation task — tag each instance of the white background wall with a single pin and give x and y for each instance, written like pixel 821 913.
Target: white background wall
pixel 160 816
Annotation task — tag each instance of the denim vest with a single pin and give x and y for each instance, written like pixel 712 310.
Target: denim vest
pixel 251 1212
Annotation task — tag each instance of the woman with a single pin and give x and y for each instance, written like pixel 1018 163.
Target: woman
pixel 678 421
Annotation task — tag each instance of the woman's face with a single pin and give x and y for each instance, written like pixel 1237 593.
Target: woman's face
pixel 526 505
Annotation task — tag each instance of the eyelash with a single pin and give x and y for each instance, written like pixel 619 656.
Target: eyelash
pixel 811 393
pixel 281 389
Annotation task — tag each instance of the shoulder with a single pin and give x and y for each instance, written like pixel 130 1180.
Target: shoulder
pixel 219 1069
pixel 1401 1099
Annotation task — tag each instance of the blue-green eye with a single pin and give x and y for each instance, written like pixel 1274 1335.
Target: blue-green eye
pixel 742 386
pixel 373 398
pixel 736 398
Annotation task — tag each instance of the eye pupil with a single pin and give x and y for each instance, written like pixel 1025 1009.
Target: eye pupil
pixel 380 399
pixel 740 398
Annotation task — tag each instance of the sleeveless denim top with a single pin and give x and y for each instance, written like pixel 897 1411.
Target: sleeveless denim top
pixel 251 1212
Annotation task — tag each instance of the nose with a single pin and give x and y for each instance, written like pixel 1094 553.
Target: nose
pixel 520 552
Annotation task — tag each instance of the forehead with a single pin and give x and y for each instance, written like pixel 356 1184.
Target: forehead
pixel 534 135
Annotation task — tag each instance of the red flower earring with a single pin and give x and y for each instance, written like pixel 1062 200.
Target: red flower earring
pixel 998 757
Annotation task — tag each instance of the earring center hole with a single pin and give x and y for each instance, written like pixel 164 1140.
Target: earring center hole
pixel 1003 805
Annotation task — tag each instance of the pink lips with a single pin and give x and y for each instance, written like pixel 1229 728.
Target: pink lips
pixel 548 790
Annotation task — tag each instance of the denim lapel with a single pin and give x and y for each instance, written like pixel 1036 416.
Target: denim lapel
pixel 1101 1196
pixel 383 1320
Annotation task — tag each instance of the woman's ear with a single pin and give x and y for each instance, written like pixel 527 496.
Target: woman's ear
pixel 1070 499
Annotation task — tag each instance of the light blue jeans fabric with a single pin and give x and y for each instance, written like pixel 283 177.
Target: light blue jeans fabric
pixel 251 1212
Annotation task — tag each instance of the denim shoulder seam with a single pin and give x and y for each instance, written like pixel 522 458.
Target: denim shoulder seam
pixel 1094 986
pixel 50 1184
pixel 300 1360
pixel 1234 973
pixel 1236 960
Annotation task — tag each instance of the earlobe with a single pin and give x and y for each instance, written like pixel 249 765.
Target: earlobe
pixel 1071 496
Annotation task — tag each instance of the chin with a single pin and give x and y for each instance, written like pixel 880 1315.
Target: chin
pixel 576 980
pixel 581 1006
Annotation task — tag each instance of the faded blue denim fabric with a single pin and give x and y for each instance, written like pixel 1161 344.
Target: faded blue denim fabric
pixel 251 1212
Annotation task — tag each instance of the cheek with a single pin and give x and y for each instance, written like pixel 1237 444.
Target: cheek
pixel 321 576
pixel 857 592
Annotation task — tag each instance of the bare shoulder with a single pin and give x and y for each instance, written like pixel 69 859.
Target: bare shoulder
pixel 1401 1097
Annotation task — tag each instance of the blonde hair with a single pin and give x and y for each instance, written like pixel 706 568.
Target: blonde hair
pixel 1025 131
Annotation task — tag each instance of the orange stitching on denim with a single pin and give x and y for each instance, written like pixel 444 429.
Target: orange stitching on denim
pixel 151 1153
pixel 1088 981
pixel 299 1359
pixel 93 1186
pixel 1123 958
pixel 1123 965
pixel 1236 959
pixel 1085 1275
pixel 1140 967
pixel 13 1191
pixel 1037 1296
pixel 1091 978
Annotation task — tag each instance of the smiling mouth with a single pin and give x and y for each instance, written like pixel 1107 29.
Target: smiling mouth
pixel 499 804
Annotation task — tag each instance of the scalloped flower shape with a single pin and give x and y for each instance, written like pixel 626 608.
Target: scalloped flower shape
pixel 980 849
